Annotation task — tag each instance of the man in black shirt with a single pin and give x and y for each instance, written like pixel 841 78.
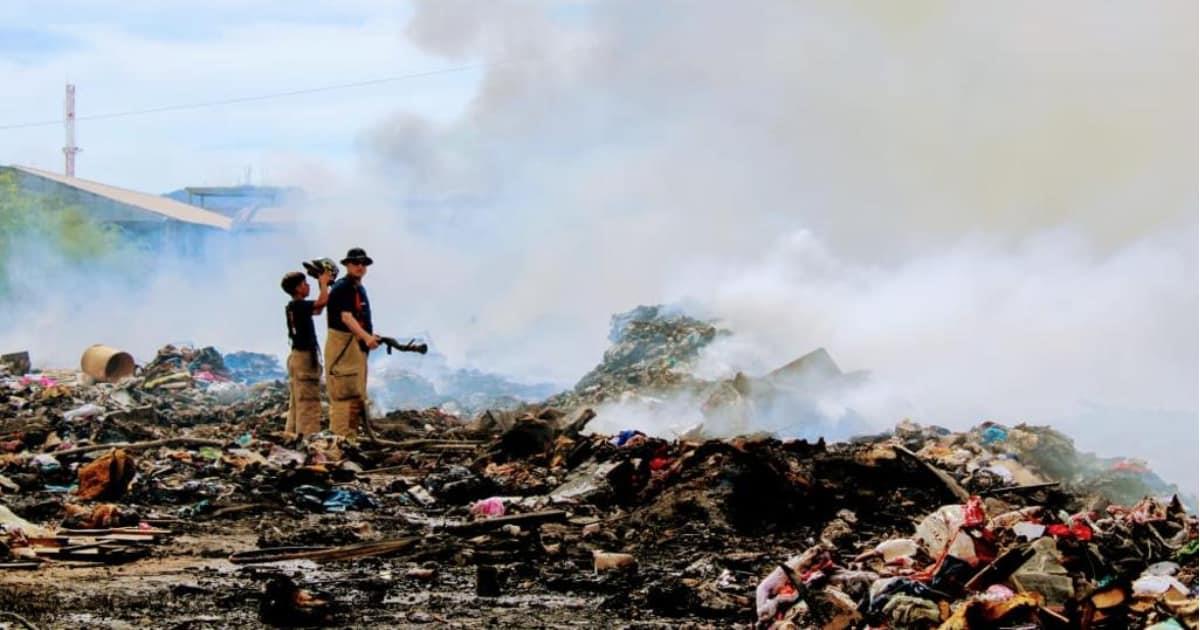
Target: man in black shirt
pixel 304 371
pixel 350 337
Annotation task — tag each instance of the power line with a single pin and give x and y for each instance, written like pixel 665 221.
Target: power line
pixel 247 99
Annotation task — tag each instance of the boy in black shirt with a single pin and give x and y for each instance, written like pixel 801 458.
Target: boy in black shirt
pixel 304 370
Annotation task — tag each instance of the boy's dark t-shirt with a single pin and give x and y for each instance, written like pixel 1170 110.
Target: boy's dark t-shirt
pixel 300 325
pixel 346 295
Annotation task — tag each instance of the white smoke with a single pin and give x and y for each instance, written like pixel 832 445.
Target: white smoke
pixel 991 208
pixel 992 212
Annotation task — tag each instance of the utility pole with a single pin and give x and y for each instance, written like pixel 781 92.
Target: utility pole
pixel 70 149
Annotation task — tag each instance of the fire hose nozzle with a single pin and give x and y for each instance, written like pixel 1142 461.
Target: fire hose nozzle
pixel 412 346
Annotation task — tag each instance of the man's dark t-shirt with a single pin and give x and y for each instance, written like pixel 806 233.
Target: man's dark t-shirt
pixel 346 295
pixel 300 325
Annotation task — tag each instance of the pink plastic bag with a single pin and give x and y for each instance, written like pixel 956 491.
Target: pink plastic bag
pixel 488 508
pixel 998 593
pixel 41 380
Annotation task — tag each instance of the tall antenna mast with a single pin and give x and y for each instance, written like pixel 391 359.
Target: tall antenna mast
pixel 70 149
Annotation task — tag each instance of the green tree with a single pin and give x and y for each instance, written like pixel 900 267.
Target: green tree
pixel 27 216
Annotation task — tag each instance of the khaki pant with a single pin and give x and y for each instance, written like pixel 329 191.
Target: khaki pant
pixel 304 385
pixel 346 381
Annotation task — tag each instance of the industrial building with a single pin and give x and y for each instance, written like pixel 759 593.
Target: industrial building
pixel 154 220
pixel 253 208
pixel 183 221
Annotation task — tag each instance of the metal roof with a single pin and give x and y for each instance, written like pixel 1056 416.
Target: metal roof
pixel 163 206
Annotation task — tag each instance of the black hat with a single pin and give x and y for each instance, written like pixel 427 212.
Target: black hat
pixel 357 255
pixel 291 280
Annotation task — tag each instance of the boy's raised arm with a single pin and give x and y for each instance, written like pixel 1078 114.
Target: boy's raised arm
pixel 323 296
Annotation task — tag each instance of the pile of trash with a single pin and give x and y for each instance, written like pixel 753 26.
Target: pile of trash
pixel 249 368
pixel 649 372
pixel 528 516
pixel 207 364
pixel 181 386
pixel 653 349
pixel 917 528
pixel 1027 542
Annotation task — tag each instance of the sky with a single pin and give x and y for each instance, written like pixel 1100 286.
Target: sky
pixel 139 55
pixel 991 207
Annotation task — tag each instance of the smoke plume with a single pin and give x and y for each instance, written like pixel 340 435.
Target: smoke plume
pixel 990 207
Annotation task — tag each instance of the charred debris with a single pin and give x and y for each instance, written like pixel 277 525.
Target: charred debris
pixel 175 490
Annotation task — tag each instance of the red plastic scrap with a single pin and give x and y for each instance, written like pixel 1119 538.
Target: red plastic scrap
pixel 1078 530
pixel 973 513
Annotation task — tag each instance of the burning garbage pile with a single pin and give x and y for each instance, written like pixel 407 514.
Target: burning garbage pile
pixel 652 349
pixel 526 517
pixel 648 373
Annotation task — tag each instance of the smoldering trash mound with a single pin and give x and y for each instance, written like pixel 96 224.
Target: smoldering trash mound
pixel 189 508
pixel 647 376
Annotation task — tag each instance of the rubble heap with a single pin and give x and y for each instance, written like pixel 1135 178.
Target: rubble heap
pixel 652 349
pixel 180 387
pixel 650 366
pixel 524 517
pixel 254 367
